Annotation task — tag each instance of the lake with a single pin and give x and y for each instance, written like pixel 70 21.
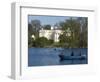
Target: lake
pixel 51 56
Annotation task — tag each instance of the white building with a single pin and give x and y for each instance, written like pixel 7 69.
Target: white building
pixel 52 34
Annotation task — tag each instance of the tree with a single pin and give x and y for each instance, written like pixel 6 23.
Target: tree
pixel 74 27
pixel 36 25
pixel 30 29
pixel 40 42
pixel 84 31
pixel 30 32
pixel 33 29
pixel 47 27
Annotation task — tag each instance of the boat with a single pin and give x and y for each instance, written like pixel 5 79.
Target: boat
pixel 72 57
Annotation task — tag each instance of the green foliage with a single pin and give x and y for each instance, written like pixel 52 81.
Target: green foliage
pixel 36 26
pixel 78 33
pixel 30 32
pixel 47 27
pixel 50 41
pixel 33 29
pixel 42 42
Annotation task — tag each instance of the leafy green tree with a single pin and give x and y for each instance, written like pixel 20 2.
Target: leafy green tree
pixel 84 31
pixel 36 26
pixel 40 42
pixel 74 26
pixel 30 32
pixel 47 27
pixel 50 42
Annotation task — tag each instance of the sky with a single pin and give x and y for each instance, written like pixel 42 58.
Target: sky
pixel 52 20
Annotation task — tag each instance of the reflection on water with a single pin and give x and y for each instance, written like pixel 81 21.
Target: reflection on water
pixel 50 56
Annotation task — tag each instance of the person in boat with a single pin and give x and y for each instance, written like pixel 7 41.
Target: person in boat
pixel 72 54
pixel 61 55
pixel 55 49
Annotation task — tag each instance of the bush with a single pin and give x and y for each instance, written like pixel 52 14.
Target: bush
pixel 40 42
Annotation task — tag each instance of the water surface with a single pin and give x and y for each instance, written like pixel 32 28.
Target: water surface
pixel 50 56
